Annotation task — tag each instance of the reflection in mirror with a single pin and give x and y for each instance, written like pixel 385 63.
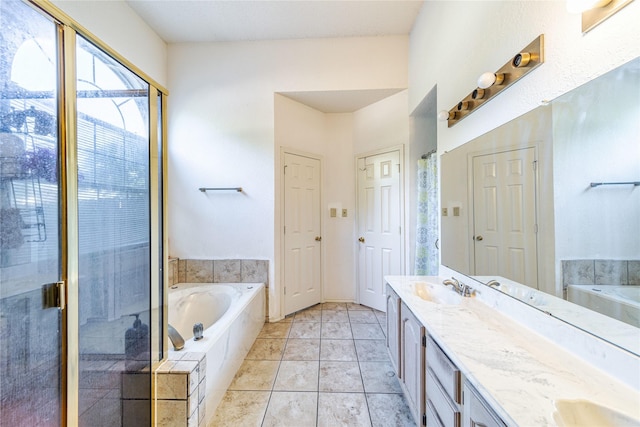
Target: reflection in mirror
pixel 522 210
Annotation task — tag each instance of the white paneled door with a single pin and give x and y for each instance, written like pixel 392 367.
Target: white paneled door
pixel 302 238
pixel 504 215
pixel 379 225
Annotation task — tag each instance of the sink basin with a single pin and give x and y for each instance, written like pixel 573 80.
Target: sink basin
pixel 579 413
pixel 435 293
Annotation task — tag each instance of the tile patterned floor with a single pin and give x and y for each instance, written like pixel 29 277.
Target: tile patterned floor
pixel 324 366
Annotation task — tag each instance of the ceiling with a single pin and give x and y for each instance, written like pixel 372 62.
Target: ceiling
pixel 189 21
pixel 194 21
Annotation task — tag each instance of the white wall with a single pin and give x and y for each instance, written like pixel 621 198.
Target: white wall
pixel 453 42
pixel 221 133
pixel 117 25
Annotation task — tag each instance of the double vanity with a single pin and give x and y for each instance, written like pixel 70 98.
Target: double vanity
pixel 462 361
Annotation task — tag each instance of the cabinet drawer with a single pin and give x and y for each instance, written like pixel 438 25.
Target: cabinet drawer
pixel 432 417
pixel 444 370
pixel 447 411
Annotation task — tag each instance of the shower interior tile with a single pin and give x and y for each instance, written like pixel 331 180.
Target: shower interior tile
pixel 190 369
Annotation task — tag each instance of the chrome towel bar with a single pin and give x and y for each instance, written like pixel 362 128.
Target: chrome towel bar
pixel 205 189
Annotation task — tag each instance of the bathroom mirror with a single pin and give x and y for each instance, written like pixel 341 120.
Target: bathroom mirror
pixel 549 206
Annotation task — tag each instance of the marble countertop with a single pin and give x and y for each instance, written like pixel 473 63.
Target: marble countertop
pixel 520 373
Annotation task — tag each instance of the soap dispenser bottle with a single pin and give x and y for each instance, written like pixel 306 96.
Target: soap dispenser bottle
pixel 136 345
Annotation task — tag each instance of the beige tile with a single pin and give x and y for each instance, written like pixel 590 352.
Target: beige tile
pixel 241 408
pixel 305 330
pixel 335 316
pixel 340 377
pixel 227 271
pixel 255 271
pixel 367 331
pixel 342 350
pixel 275 330
pixel 339 331
pixel 362 316
pixel 343 409
pixel 379 377
pixel 267 349
pixel 389 410
pixel 308 316
pixel 172 386
pixel 287 409
pixel 297 376
pixel 255 375
pixel 353 306
pixel 172 413
pixel 372 350
pixel 334 306
pixel 199 271
pixel 302 349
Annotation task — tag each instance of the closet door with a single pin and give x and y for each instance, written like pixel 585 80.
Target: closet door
pixel 31 309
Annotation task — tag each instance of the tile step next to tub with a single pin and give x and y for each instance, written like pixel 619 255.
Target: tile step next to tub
pixel 180 390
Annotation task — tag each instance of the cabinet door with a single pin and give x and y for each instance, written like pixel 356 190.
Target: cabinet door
pixel 477 411
pixel 412 356
pixel 393 328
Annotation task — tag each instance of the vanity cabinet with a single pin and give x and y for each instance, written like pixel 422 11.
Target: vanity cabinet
pixel 393 328
pixel 443 388
pixel 413 340
pixel 477 411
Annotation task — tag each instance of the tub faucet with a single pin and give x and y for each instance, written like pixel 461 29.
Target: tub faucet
pixel 175 337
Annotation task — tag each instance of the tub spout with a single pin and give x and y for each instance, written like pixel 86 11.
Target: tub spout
pixel 176 338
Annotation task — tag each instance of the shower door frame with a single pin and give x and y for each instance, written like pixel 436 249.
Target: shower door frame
pixel 67 30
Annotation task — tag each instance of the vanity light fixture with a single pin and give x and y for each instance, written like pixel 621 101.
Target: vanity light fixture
pixel 596 11
pixel 445 115
pixel 490 84
pixel 488 79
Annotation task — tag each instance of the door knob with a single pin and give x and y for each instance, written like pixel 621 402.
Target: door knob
pixel 478 238
pixel 318 238
pixel 361 240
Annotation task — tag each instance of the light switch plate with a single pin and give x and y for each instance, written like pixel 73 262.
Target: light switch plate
pixel 332 212
pixel 445 211
pixel 344 213
pixel 456 211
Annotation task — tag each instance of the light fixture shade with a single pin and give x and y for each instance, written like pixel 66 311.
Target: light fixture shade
pixel 579 6
pixel 443 115
pixel 486 80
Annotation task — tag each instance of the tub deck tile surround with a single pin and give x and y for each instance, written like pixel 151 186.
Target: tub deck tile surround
pixel 180 389
pixel 320 380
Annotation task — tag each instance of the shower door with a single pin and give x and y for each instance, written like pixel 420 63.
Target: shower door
pixel 31 356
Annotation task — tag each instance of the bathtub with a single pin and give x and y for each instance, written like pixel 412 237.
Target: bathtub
pixel 619 302
pixel 232 314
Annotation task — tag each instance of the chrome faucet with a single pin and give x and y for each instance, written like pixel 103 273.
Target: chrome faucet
pixel 175 337
pixel 459 287
pixel 492 283
pixel 452 282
